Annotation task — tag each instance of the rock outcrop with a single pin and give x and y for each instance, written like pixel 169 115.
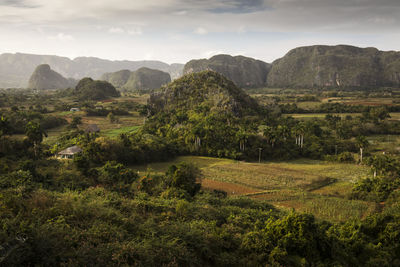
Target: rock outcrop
pixel 335 66
pixel 245 72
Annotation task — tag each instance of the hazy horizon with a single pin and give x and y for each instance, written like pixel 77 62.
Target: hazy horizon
pixel 176 31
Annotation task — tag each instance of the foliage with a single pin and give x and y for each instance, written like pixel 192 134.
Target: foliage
pixel 88 89
pixel 342 157
pixel 184 176
pixel 386 179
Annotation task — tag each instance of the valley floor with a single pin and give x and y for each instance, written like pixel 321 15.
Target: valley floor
pixel 311 186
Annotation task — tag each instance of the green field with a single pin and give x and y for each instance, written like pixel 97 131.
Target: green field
pixel 305 185
pixel 118 131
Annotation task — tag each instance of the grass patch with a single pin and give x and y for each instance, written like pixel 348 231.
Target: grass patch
pixel 117 132
pixel 201 162
pixel 321 115
pixel 331 208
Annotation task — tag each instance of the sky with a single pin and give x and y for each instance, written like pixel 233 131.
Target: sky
pixel 176 31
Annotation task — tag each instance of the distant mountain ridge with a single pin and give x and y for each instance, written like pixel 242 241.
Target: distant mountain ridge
pixel 15 69
pixel 317 66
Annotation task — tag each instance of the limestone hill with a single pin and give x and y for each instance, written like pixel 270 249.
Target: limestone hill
pixel 143 79
pixel 88 89
pixel 118 78
pixel 45 78
pixel 204 91
pixel 147 79
pixel 243 71
pixel 336 66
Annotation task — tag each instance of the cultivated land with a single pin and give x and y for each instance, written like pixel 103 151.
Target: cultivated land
pixel 312 186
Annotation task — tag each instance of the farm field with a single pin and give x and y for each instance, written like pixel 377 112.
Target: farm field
pixel 304 185
pixel 393 115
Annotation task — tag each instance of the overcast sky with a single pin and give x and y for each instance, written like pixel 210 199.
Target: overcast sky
pixel 180 30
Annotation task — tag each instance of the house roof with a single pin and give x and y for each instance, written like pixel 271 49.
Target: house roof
pixel 92 128
pixel 70 151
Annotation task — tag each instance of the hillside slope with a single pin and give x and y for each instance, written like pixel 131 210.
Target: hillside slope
pixel 243 71
pixel 143 79
pixel 89 89
pixel 335 66
pixel 118 78
pixel 203 91
pixel 45 78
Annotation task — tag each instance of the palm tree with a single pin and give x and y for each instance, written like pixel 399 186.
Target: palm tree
pixel 270 134
pixel 383 164
pixel 298 132
pixel 35 135
pixel 362 143
pixel 242 136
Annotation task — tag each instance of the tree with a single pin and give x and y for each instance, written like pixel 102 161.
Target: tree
pixel 242 137
pixel 378 114
pixel 76 120
pixel 298 132
pixel 270 134
pixel 332 120
pixel 35 135
pixel 362 143
pixel 184 176
pixel 5 127
pixel 112 118
pixel 383 165
pixel 116 176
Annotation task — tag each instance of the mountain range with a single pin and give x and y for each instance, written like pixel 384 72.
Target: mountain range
pixel 318 66
pixel 16 69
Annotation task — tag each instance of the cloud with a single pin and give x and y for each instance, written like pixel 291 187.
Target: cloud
pixel 233 26
pixel 180 12
pixel 238 6
pixel 200 31
pixel 135 31
pixel 17 3
pixel 62 37
pixel 213 15
pixel 132 31
pixel 116 30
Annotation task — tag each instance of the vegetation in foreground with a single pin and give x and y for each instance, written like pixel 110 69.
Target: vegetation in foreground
pixel 97 210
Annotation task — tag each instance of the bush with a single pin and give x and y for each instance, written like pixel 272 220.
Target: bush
pixel 342 157
pixel 184 176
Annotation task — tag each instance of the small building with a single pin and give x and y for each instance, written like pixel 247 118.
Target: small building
pixel 92 128
pixel 74 109
pixel 69 153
